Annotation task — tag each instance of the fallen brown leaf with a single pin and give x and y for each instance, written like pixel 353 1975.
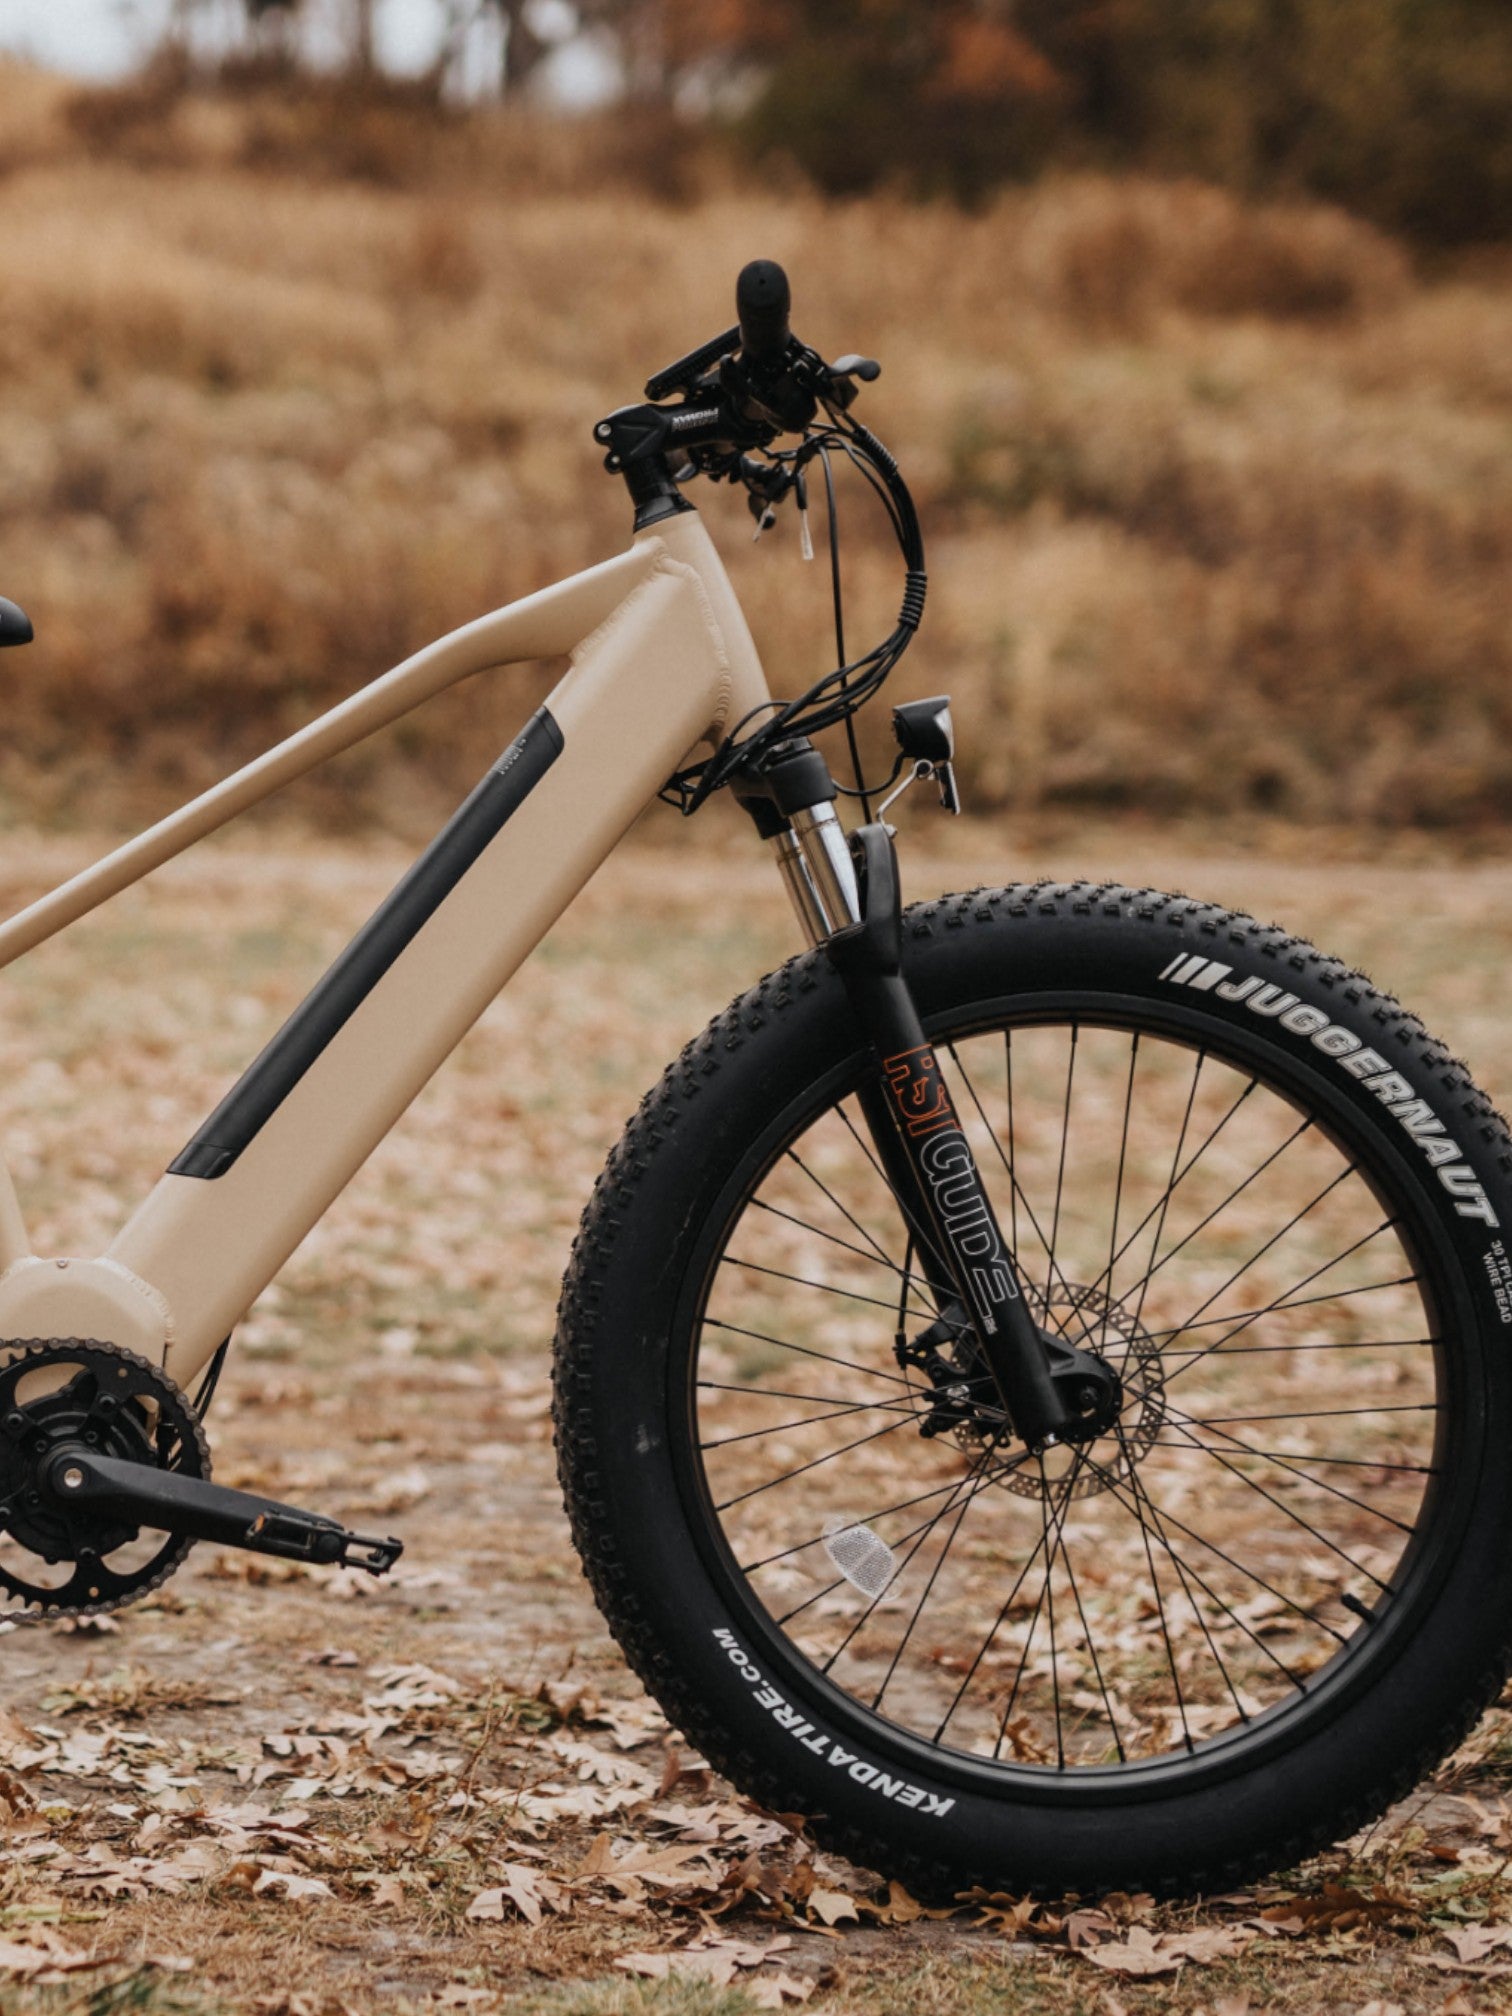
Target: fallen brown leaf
pixel 1139 1956
pixel 1339 1908
pixel 830 1907
pixel 1144 1953
pixel 1474 1942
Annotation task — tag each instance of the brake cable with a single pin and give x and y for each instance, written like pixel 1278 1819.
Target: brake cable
pixel 833 519
pixel 838 695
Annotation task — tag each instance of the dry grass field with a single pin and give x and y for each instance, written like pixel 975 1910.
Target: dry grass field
pixel 1217 497
pixel 291 1793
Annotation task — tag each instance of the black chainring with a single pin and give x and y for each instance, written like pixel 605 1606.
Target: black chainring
pixel 116 1402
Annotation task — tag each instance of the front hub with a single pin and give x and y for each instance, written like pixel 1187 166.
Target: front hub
pixel 1106 1364
pixel 1087 1383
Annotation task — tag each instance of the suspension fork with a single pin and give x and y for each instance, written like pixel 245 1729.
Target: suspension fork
pixel 847 898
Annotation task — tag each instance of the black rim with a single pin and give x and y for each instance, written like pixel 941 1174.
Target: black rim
pixel 1052 1684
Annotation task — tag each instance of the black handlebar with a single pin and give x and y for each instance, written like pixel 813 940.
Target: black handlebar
pixel 740 391
pixel 763 302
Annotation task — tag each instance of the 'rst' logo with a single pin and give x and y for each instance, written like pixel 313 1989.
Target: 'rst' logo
pixel 914 1079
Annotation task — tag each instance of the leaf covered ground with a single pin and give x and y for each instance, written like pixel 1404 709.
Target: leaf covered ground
pixel 272 1790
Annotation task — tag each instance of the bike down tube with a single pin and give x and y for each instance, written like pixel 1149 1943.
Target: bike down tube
pixel 662 664
pixel 908 1108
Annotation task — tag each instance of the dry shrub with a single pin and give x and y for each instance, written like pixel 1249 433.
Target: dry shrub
pixel 33 127
pixel 135 120
pixel 441 257
pixel 342 134
pixel 1107 255
pixel 102 305
pixel 387 133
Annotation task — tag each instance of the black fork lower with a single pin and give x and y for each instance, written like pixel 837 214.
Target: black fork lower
pixel 1049 1389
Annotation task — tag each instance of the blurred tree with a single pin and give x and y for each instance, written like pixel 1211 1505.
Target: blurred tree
pixel 524 45
pixel 274 25
pixel 948 98
pixel 363 58
pixel 1401 109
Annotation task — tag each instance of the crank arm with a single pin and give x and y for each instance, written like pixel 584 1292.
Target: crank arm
pixel 925 1152
pixel 196 1509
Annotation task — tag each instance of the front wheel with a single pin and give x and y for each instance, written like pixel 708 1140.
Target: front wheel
pixel 1232 1628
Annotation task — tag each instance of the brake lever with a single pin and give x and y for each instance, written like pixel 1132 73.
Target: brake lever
pixel 841 376
pixel 766 484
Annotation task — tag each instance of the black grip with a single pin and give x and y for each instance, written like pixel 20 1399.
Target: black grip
pixel 763 301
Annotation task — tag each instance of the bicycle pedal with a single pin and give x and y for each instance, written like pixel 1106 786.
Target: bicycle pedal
pixel 89 1487
pixel 307 1536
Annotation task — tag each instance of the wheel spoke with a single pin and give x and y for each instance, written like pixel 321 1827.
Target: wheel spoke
pixel 1287 1511
pixel 1314 1414
pixel 804 1421
pixel 1060 1170
pixel 1123 1157
pixel 1047 1545
pixel 964 1487
pixel 1232 1198
pixel 849 1216
pixel 916 1231
pixel 1141 1492
pixel 1243 1318
pixel 1184 1423
pixel 1116 1491
pixel 924 1596
pixel 841 1581
pixel 1310 1456
pixel 870 1519
pixel 806 1351
pixel 1091 1642
pixel 802 1469
pixel 1276 1237
pixel 1248 1321
pixel 1016 1189
pixel 860 1253
pixel 996 1626
pixel 806 1281
pixel 1141 1498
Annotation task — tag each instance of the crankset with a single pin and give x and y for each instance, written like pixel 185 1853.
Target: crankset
pixel 105 1485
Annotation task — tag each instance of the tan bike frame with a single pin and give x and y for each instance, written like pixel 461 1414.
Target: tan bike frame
pixel 662 666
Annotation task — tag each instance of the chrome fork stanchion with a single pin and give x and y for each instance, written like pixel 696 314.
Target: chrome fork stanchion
pixel 813 855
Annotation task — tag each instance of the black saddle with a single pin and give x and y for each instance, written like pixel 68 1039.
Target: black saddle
pixel 15 624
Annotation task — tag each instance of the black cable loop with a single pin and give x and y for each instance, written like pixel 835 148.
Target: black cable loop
pixel 840 694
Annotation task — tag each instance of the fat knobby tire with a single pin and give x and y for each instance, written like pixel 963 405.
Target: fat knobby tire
pixel 631 1298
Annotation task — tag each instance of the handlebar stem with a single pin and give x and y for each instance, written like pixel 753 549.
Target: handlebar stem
pixel 638 438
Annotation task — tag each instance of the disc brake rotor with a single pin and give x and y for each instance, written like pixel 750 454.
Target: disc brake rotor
pixel 1094 1322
